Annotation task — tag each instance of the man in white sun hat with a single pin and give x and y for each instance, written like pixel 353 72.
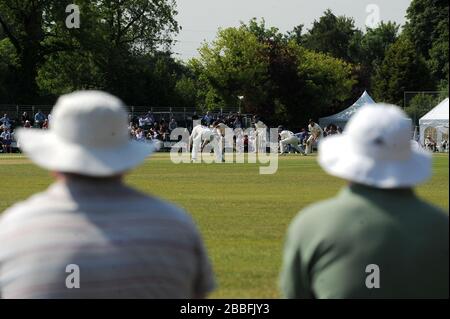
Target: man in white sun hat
pixel 89 235
pixel 376 239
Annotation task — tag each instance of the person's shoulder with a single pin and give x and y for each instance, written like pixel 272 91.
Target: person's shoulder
pixel 312 224
pixel 160 208
pixel 24 210
pixel 317 212
pixel 432 211
pixel 331 212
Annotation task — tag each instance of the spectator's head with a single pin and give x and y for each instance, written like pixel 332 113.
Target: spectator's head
pixel 89 136
pixel 376 150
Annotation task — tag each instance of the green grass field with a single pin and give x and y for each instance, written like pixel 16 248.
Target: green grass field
pixel 242 215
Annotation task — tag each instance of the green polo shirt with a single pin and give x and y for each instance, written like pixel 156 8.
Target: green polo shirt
pixel 330 245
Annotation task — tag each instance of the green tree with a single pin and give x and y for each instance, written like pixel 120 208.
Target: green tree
pixel 8 72
pixel 338 37
pixel 439 56
pixel 402 69
pixel 296 34
pixel 234 65
pixel 280 80
pixel 426 21
pixel 112 34
pixel 335 35
pixel 325 83
pixel 186 92
pixel 427 27
pixel 376 41
pixel 30 32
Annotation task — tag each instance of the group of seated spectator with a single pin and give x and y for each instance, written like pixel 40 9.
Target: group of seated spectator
pixel 39 120
pixel 331 129
pixel 8 126
pixel 6 134
pixel 155 132
pixel 433 146
pixel 146 127
pixel 6 139
pixel 430 143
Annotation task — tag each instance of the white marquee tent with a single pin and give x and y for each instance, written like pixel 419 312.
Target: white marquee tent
pixel 436 118
pixel 341 118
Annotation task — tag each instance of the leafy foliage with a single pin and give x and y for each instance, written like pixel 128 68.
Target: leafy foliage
pixel 401 70
pixel 279 79
pixel 334 35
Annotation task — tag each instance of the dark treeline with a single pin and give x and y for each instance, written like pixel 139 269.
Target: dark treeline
pixel 124 47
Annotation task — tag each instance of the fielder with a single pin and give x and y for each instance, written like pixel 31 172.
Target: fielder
pixel 316 134
pixel 214 137
pixel 195 140
pixel 261 135
pixel 289 138
pixel 220 131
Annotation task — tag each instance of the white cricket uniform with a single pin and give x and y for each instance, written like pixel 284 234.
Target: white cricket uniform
pixel 316 134
pixel 240 147
pixel 202 135
pixel 289 138
pixel 261 137
pixel 196 140
pixel 212 136
pixel 252 141
pixel 219 143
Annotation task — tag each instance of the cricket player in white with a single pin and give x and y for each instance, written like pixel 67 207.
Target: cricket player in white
pixel 214 137
pixel 289 138
pixel 196 140
pixel 220 130
pixel 316 134
pixel 252 139
pixel 240 147
pixel 261 135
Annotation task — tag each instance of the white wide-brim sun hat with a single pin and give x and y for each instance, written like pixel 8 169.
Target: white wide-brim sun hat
pixel 376 150
pixel 88 135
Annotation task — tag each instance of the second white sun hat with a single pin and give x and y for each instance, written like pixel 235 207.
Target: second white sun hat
pixel 376 150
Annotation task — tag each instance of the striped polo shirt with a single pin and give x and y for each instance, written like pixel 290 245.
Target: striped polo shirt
pixel 123 244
